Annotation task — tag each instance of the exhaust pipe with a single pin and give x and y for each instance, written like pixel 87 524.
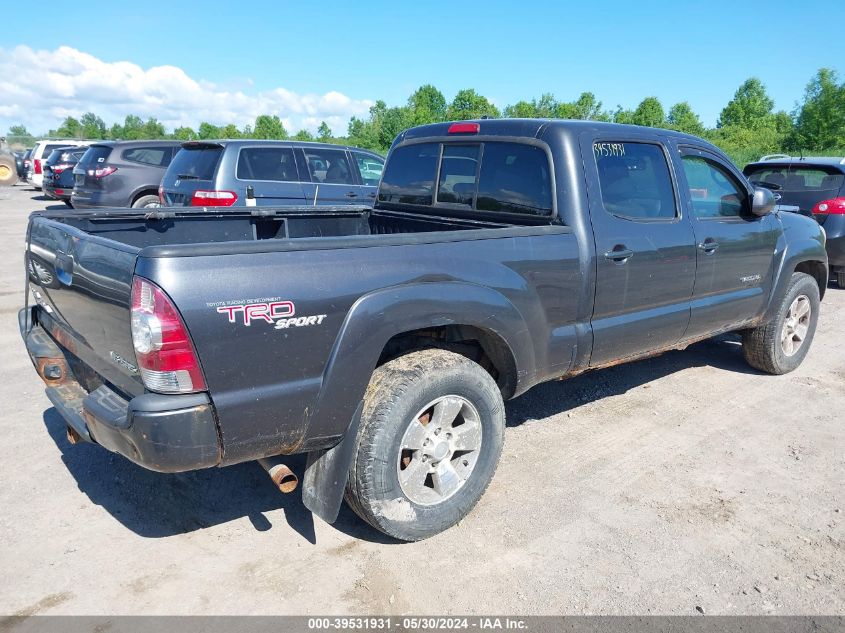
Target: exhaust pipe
pixel 281 475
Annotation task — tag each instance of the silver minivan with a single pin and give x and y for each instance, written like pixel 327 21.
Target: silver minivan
pixel 270 173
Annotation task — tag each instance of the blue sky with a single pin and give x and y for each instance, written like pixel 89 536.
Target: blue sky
pixel 622 51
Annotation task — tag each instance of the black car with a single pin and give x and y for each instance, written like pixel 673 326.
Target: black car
pixel 19 163
pixel 58 173
pixel 121 173
pixel 811 186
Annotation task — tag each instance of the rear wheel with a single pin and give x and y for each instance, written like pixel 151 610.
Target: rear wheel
pixel 146 202
pixel 8 170
pixel 840 279
pixel 429 441
pixel 780 345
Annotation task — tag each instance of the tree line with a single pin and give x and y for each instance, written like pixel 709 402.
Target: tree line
pixel 748 125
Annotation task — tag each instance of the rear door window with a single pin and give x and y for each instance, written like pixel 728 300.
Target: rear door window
pixel 635 181
pixel 267 163
pixel 328 166
pixel 196 163
pixel 155 156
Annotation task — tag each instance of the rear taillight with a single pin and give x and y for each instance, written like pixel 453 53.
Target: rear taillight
pixel 161 195
pixel 166 356
pixel 834 206
pixel 57 169
pixel 203 198
pixel 102 172
pixel 37 167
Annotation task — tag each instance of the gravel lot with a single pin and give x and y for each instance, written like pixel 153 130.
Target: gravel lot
pixel 676 485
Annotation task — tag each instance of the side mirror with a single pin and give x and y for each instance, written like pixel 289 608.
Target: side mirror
pixel 762 202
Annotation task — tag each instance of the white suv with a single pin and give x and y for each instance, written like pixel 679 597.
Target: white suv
pixel 41 152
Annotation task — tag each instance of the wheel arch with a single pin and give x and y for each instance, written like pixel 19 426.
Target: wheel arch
pixel 146 190
pixel 477 321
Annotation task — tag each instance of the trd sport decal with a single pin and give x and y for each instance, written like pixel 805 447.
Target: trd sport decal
pixel 274 310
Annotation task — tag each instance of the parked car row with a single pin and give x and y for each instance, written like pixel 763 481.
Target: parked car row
pixel 224 173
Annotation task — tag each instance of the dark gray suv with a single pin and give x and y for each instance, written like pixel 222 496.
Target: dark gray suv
pixel 270 173
pixel 121 173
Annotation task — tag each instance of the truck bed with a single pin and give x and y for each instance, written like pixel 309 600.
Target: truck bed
pixel 169 227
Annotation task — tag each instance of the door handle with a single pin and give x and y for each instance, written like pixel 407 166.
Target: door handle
pixel 351 194
pixel 619 254
pixel 708 245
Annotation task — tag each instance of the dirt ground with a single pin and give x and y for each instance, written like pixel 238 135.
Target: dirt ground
pixel 683 484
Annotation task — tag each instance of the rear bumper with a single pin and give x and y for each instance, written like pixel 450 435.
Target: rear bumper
pixel 82 199
pixel 165 433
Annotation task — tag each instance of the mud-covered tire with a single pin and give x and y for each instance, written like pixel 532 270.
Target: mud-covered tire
pixel 763 346
pixel 145 202
pixel 8 170
pixel 398 391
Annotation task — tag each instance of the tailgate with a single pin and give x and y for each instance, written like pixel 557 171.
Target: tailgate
pixel 83 285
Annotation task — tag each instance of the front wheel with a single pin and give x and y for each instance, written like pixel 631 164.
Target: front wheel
pixel 780 345
pixel 430 438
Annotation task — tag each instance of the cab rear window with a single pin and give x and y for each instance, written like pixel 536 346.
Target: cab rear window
pixel 497 177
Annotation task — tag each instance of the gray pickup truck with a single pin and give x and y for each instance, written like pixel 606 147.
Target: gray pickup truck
pixel 383 341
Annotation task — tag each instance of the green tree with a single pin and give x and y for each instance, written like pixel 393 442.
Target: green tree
pixel 70 128
pixel 324 132
pixel 269 127
pixel 303 135
pixel 522 110
pixel 153 129
pixel 750 107
pixel 230 131
pixel 427 105
pixel 585 107
pixel 621 115
pixel 362 134
pixel 115 132
pixel 820 120
pixel 93 127
pixel 18 130
pixel 207 131
pixel 682 118
pixel 133 128
pixel 649 113
pixel 468 104
pixel 184 134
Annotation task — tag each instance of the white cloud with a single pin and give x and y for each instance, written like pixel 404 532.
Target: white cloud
pixel 39 88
